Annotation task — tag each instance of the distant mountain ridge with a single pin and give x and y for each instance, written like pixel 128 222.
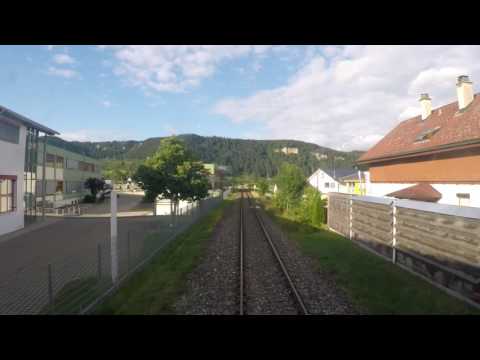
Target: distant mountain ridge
pixel 253 157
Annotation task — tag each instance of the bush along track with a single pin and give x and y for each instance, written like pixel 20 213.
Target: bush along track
pixel 156 288
pixel 374 285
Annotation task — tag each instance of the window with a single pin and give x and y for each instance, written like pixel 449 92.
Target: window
pixel 332 185
pixel 73 187
pixel 327 185
pixel 50 160
pixel 426 134
pixel 463 199
pixel 7 193
pixel 84 166
pixel 59 187
pixel 72 164
pixel 50 186
pixel 60 161
pixel 9 133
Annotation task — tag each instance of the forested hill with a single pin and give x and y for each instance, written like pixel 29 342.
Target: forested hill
pixel 254 157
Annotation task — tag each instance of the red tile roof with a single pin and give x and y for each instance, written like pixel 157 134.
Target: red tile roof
pixel 420 192
pixel 454 127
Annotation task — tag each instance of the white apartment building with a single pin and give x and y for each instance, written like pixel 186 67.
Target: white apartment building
pixel 18 155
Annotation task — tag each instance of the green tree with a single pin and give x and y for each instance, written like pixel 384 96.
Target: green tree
pixel 290 181
pixel 120 170
pixel 173 173
pixel 313 207
pixel 94 185
pixel 262 186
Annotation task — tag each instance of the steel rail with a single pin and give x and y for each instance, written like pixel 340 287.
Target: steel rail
pixel 293 288
pixel 242 219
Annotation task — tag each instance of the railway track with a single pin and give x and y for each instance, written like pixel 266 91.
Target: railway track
pixel 276 285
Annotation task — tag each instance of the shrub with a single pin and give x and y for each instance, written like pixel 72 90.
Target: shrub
pixel 89 199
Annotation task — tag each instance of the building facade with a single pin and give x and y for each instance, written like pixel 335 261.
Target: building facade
pixel 329 180
pixel 65 175
pixel 433 156
pixel 19 152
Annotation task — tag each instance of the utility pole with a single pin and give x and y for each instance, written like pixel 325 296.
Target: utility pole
pixel 44 182
pixel 113 234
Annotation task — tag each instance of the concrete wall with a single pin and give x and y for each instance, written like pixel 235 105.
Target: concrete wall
pixel 162 206
pixel 12 162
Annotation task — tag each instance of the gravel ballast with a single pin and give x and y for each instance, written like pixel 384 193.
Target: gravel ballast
pixel 213 287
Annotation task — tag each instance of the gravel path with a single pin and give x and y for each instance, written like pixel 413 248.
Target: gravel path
pixel 213 287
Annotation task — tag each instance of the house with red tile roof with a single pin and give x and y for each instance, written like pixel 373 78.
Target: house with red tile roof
pixel 431 157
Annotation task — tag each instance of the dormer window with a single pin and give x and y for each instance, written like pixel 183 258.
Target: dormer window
pixel 426 134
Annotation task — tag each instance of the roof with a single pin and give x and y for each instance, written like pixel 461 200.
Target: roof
pixel 353 177
pixel 446 125
pixel 420 192
pixel 339 172
pixel 12 115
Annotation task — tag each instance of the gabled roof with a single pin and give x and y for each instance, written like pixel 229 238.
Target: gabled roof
pixel 445 127
pixel 420 192
pixel 339 172
pixel 353 177
pixel 12 115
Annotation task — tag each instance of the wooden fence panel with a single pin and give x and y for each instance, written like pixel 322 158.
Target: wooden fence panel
pixel 451 241
pixel 372 224
pixel 339 213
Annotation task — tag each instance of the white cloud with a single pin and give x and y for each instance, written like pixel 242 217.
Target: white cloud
pixel 95 135
pixel 50 47
pixel 106 103
pixel 62 59
pixel 66 73
pixel 349 97
pixel 175 68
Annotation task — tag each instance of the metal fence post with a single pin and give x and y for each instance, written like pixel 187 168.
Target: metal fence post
pixel 350 203
pixel 394 232
pixel 50 287
pixel 128 251
pixel 113 236
pixel 99 261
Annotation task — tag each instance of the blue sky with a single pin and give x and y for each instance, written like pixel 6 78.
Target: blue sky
pixel 75 89
pixel 345 97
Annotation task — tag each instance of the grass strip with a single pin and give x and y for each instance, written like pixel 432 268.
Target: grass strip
pixel 374 285
pixel 156 288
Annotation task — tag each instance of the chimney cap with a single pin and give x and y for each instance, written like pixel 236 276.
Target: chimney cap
pixel 463 79
pixel 424 97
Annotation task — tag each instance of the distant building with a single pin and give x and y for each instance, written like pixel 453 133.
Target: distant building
pixel 431 157
pixel 355 183
pixel 20 150
pixel 288 150
pixel 211 168
pixel 330 180
pixel 320 156
pixel 65 175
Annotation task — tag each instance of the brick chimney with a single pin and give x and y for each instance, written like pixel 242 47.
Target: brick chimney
pixel 426 104
pixel 464 91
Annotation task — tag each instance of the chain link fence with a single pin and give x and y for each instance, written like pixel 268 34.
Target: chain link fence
pixel 76 282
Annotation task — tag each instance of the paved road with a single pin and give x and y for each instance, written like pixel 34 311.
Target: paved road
pixel 71 246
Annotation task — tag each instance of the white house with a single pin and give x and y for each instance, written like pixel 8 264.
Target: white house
pixel 328 180
pixel 18 149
